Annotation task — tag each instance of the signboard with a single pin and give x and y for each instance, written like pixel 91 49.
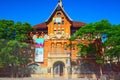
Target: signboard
pixel 39 54
pixel 39 42
pixel 39 50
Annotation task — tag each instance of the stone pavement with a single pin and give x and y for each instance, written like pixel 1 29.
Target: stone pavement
pixel 47 79
pixel 44 79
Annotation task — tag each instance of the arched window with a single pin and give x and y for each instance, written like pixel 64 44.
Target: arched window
pixel 52 47
pixel 59 14
pixel 65 46
pixel 59 47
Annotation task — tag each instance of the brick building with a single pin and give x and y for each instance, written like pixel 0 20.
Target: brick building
pixel 55 59
pixel 56 30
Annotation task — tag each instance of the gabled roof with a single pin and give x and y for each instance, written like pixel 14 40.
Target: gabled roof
pixel 58 7
pixel 73 24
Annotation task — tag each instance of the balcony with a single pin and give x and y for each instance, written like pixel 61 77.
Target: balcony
pixel 58 55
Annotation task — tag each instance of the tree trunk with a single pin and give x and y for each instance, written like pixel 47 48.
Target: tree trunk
pixel 118 59
pixel 101 72
pixel 12 71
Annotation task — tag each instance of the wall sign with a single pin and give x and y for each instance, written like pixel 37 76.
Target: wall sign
pixel 39 50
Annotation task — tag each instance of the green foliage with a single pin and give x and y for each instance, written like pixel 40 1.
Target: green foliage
pixel 11 31
pixel 102 26
pixel 68 45
pixel 95 29
pixel 13 50
pixel 5 28
pixel 84 50
pixel 99 61
pixel 111 45
pixel 112 48
pixel 14 53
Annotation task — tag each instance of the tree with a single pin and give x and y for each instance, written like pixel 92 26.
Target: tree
pixel 90 37
pixel 6 26
pixel 22 30
pixel 14 31
pixel 15 54
pixel 14 51
pixel 2 45
pixel 112 44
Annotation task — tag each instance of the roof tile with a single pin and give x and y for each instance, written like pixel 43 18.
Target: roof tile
pixel 40 26
pixel 77 24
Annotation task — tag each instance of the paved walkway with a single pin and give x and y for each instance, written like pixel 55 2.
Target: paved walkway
pixel 46 79
pixel 43 79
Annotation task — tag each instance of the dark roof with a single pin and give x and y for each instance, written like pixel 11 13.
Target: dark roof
pixel 40 26
pixel 77 24
pixel 43 25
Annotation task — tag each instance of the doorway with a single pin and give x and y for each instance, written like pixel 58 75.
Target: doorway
pixel 58 69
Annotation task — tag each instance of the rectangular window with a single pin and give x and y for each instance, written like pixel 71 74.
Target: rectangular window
pixel 62 22
pixel 62 30
pixel 58 23
pixel 54 23
pixel 55 31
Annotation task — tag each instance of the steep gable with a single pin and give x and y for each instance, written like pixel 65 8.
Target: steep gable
pixel 59 7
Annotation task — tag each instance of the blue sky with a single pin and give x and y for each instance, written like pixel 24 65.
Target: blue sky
pixel 37 11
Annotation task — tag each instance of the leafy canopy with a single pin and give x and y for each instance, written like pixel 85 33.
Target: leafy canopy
pixel 97 31
pixel 13 50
